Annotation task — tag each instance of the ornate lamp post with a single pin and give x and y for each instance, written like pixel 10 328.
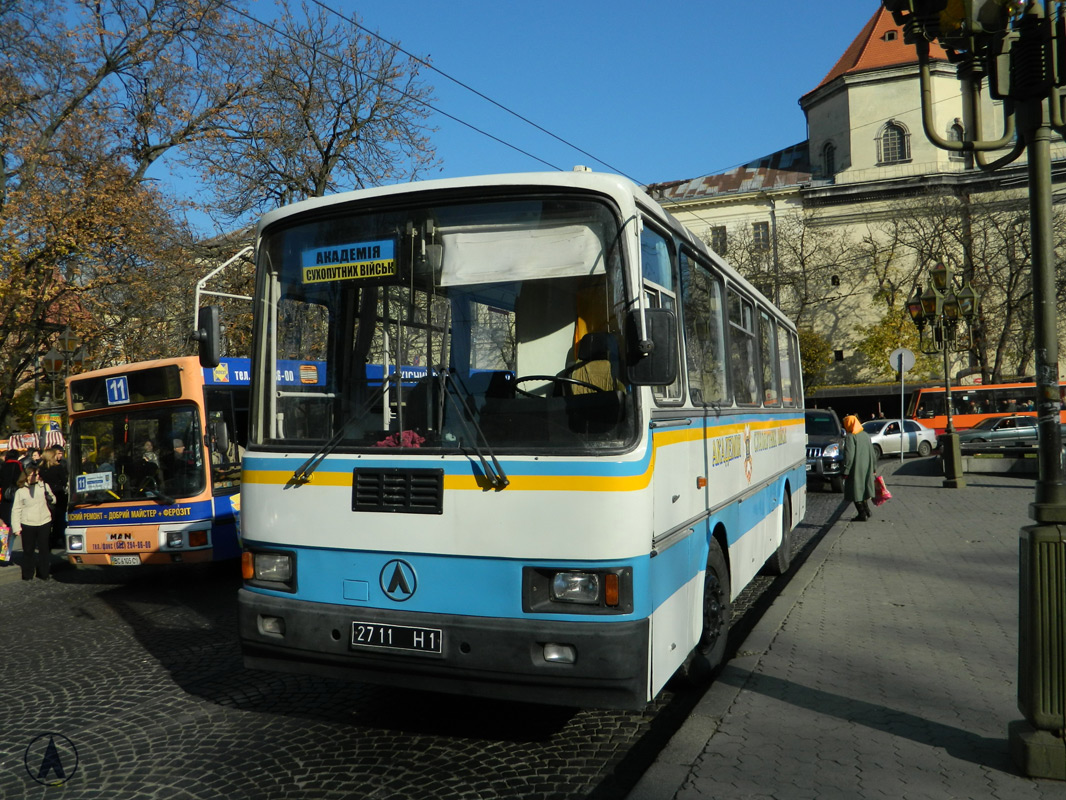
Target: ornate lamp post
pixel 940 309
pixel 57 365
pixel 1017 49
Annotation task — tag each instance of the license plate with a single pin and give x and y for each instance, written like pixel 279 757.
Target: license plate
pixel 125 561
pixel 397 637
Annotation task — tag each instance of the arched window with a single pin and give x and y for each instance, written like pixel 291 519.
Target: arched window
pixel 829 159
pixel 893 145
pixel 955 134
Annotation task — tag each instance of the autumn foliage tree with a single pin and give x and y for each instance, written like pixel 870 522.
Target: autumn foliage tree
pixel 93 94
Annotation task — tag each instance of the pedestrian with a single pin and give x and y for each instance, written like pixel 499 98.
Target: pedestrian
pixel 54 473
pixel 10 471
pixel 31 518
pixel 860 467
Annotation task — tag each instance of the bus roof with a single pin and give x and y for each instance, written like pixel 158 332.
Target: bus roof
pixel 624 191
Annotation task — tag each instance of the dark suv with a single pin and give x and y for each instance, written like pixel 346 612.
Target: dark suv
pixel 825 448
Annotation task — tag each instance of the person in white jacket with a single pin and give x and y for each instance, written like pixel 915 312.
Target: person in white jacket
pixel 31 518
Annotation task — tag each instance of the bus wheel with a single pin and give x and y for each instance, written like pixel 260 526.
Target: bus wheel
pixel 779 562
pixel 709 652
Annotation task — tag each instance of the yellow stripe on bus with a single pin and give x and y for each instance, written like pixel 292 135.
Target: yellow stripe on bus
pixel 537 483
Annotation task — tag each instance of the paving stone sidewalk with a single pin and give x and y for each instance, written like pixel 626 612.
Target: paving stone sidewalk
pixel 886 669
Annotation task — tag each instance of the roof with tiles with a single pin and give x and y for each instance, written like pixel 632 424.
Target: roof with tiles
pixel 880 44
pixel 786 167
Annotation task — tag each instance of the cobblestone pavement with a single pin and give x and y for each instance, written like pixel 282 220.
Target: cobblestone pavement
pixel 886 669
pixel 140 676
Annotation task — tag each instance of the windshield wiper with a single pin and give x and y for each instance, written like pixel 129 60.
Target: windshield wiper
pixel 303 473
pixel 493 471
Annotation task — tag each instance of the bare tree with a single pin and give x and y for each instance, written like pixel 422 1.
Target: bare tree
pixel 334 109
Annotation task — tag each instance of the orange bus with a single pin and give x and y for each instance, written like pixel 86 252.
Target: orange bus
pixel 155 456
pixel 971 404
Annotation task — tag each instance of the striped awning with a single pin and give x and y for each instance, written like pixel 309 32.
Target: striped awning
pixel 54 439
pixel 24 441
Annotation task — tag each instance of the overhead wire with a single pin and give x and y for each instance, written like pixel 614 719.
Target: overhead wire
pixel 247 15
pixel 471 89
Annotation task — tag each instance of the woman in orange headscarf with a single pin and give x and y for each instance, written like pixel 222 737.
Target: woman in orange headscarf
pixel 860 467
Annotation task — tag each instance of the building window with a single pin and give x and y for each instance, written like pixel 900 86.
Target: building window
pixel 760 232
pixel 838 355
pixel 893 145
pixel 955 134
pixel 718 239
pixel 829 160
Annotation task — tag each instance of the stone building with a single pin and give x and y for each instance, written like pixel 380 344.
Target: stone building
pixel 842 227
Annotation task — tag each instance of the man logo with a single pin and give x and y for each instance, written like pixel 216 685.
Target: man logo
pixel 398 580
pixel 51 759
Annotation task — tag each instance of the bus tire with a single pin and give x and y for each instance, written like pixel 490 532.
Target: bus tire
pixel 709 653
pixel 780 561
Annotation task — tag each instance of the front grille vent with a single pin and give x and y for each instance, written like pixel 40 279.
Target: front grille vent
pixel 814 451
pixel 404 491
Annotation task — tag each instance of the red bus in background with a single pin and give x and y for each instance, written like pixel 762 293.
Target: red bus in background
pixel 971 404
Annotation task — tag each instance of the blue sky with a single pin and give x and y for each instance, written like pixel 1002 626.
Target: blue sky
pixel 656 91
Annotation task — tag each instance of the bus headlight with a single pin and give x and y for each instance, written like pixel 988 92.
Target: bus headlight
pixel 576 587
pixel 602 590
pixel 270 569
pixel 75 542
pixel 174 539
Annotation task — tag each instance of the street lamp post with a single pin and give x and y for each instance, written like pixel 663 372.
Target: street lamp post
pixel 57 364
pixel 1018 47
pixel 941 308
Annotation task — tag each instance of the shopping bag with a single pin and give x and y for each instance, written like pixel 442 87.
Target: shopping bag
pixel 882 493
pixel 5 543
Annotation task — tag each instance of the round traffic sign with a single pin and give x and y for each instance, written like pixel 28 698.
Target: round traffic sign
pixel 901 359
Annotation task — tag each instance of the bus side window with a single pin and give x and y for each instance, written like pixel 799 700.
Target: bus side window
pixel 660 290
pixel 742 349
pixel 786 353
pixel 701 300
pixel 768 359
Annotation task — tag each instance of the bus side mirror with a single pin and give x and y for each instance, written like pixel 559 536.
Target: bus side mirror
pixel 208 334
pixel 220 433
pixel 652 361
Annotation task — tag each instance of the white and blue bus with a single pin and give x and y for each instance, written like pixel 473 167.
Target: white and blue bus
pixel 550 438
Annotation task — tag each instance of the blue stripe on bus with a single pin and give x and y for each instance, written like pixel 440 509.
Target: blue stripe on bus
pixel 492 587
pixel 140 514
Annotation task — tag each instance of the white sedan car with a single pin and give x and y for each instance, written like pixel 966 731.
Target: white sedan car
pixel 885 435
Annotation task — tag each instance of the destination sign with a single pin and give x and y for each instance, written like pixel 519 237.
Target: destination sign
pixel 345 262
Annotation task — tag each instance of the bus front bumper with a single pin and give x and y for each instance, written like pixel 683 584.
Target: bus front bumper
pixel 511 659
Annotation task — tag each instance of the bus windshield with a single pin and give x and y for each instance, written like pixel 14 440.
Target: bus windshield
pixel 137 455
pixel 449 326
